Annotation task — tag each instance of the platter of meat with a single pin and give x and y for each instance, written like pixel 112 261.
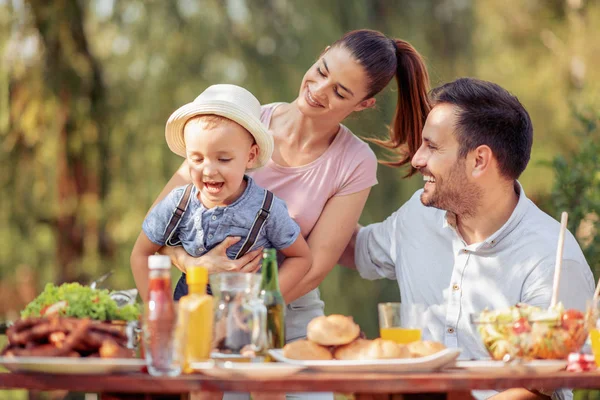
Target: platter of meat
pixel 67 346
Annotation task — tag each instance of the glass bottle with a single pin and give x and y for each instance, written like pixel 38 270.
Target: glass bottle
pixel 273 300
pixel 160 320
pixel 195 326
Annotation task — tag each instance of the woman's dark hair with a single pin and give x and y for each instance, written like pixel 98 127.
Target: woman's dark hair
pixel 382 58
pixel 489 115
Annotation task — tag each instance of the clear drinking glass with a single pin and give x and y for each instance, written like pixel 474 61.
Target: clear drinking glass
pixel 161 344
pixel 240 318
pixel 593 324
pixel 401 323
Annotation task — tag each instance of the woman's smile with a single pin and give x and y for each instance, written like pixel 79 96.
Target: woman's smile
pixel 311 101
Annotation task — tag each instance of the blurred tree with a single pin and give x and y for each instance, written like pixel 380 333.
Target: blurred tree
pixel 58 102
pixel 92 83
pixel 543 52
pixel 577 187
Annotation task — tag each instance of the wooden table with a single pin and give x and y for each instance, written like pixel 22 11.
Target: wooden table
pixel 456 385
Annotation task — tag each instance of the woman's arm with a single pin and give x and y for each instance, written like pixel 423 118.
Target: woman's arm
pixel 347 257
pixel 329 238
pixel 296 265
pixel 179 178
pixel 139 263
pixel 143 247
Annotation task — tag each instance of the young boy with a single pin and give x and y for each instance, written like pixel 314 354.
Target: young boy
pixel 221 136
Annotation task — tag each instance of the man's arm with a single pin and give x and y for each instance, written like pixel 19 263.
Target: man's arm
pixel 576 285
pixel 372 249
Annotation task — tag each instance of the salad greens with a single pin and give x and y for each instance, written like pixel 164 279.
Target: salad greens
pixel 531 332
pixel 75 300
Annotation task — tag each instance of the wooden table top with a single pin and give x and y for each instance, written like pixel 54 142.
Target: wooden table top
pixel 304 381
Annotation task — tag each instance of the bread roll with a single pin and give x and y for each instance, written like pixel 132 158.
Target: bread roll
pixel 425 348
pixel 332 330
pixel 362 349
pixel 306 350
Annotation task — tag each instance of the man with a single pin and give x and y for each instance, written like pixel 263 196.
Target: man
pixel 471 239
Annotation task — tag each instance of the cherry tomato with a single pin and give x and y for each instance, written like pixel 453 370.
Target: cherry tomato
pixel 521 326
pixel 571 318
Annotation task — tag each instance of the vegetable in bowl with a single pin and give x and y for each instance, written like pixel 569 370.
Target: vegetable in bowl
pixel 77 301
pixel 529 332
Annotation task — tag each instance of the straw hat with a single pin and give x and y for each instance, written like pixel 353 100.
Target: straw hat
pixel 229 101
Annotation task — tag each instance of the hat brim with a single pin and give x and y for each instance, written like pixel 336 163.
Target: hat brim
pixel 177 121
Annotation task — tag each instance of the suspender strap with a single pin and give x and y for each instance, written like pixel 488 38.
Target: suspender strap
pixel 259 222
pixel 176 217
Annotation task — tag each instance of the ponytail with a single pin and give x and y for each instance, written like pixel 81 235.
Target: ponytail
pixel 382 58
pixel 412 107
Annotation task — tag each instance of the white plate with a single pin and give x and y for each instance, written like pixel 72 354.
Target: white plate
pixel 537 366
pixel 251 370
pixel 68 365
pixel 421 364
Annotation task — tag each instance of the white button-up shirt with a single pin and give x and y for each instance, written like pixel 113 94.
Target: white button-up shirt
pixel 421 248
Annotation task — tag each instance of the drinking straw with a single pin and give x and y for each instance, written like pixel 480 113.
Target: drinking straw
pixel 597 292
pixel 559 253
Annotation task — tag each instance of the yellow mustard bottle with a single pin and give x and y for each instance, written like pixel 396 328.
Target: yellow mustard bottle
pixel 196 319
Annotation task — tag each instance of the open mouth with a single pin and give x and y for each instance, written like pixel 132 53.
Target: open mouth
pixel 311 100
pixel 429 180
pixel 213 187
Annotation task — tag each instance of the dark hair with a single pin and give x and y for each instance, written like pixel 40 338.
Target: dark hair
pixel 489 115
pixel 382 58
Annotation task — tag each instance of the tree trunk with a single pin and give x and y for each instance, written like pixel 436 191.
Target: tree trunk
pixel 74 79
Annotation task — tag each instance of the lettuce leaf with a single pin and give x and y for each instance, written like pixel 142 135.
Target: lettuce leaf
pixel 82 302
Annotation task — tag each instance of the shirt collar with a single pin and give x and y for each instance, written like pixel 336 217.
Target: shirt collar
pixel 449 220
pixel 249 188
pixel 245 194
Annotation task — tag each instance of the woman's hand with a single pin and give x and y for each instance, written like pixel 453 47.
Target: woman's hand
pixel 215 260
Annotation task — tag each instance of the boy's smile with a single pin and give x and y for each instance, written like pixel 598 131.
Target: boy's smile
pixel 213 187
pixel 218 152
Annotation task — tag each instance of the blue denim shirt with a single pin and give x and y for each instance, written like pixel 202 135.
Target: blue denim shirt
pixel 201 229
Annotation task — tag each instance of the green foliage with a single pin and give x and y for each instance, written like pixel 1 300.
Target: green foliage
pixel 577 187
pixel 81 302
pixel 82 111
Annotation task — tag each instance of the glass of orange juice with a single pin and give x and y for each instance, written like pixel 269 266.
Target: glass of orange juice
pixel 399 322
pixel 593 321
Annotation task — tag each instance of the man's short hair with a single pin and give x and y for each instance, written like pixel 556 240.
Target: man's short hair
pixel 489 115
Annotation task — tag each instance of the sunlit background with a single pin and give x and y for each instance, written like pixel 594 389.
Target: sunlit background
pixel 87 86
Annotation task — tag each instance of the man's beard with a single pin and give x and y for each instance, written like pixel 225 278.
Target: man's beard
pixel 454 193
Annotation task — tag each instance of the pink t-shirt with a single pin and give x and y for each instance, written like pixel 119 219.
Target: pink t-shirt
pixel 347 166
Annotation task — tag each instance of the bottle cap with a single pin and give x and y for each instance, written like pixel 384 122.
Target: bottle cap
pixel 196 276
pixel 159 262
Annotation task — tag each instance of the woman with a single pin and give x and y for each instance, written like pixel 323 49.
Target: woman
pixel 319 168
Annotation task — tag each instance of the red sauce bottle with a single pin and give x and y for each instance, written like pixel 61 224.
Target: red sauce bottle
pixel 160 319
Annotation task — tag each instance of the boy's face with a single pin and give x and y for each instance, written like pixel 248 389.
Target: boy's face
pixel 218 156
